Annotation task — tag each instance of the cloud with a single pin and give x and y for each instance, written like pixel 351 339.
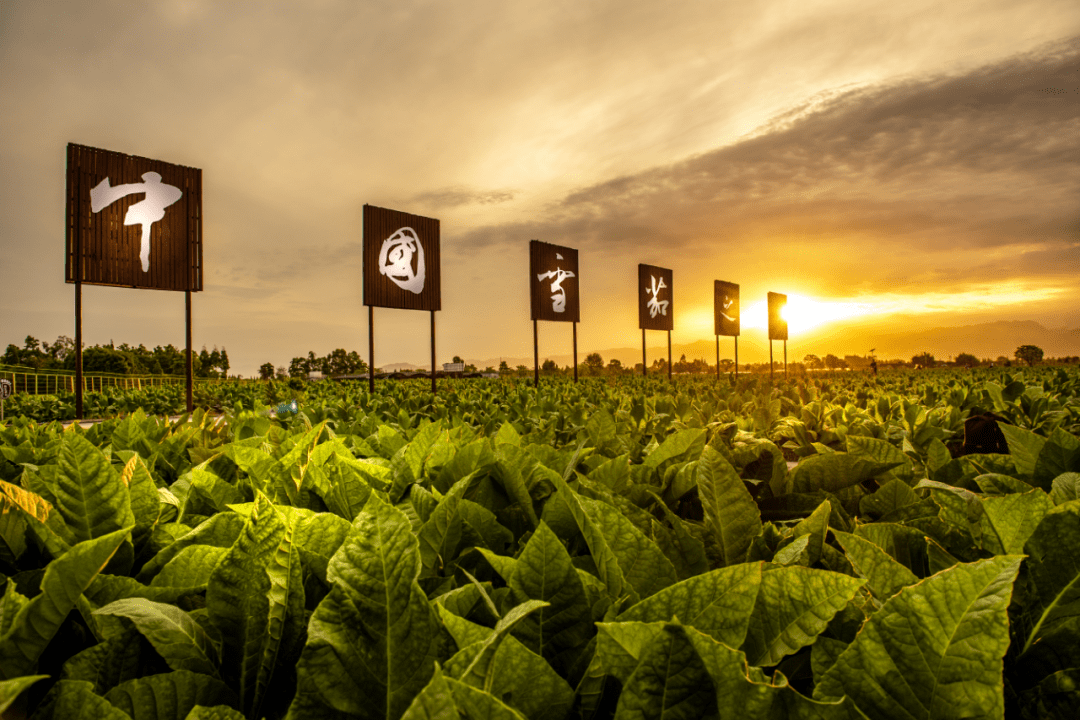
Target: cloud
pixel 457 196
pixel 934 169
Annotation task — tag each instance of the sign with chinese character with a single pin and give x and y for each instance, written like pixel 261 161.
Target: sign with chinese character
pixel 553 282
pixel 726 308
pixel 401 260
pixel 132 221
pixel 777 323
pixel 654 298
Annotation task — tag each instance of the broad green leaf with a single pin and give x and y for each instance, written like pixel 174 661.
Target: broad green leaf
pixel 191 567
pixel 718 603
pixel 11 689
pixel 177 638
pixel 794 553
pixel 89 493
pixel 463 631
pixel 544 572
pixel 350 483
pixel 1009 520
pixel 38 620
pixel 814 528
pixel 1060 454
pixel 885 576
pixel 475 704
pixel 76 700
pixel 679 446
pixel 997 484
pixel 169 695
pixel 217 712
pixel 1053 617
pixel 374 640
pixel 474 664
pixel 906 545
pixel 731 516
pixel 220 530
pixel 116 659
pixel 620 645
pixel 434 702
pixel 670 681
pixel 1066 487
pixel 255 600
pixel 743 692
pixel 836 471
pixel 1024 448
pixel 933 650
pixel 1056 697
pixel 145 500
pixel 513 464
pixel 891 496
pixel 440 536
pixel 794 604
pixel 885 452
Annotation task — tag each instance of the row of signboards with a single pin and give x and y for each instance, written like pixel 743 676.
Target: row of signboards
pixel 136 222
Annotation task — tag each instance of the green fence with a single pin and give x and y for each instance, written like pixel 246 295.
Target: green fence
pixel 35 381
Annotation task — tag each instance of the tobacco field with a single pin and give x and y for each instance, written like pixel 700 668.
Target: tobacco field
pixel 817 548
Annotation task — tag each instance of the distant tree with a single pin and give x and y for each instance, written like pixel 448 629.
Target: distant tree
pixel 266 371
pixel 727 365
pixel 594 364
pixel 833 363
pixel 813 361
pixel 924 359
pixel 298 367
pixel 614 366
pixel 549 365
pixel 521 370
pixel 967 360
pixel 856 362
pixel 457 359
pixel 281 372
pixel 1030 354
pixel 503 367
pixel 489 369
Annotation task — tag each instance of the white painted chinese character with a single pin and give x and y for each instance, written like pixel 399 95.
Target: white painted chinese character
pixel 655 305
pixel 146 212
pixel 396 260
pixel 557 276
pixel 728 304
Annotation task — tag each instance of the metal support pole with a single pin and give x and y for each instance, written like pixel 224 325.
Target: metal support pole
pixel 718 358
pixel 432 352
pixel 78 340
pixel 190 379
pixel 669 355
pixel 785 358
pixel 536 357
pixel 575 352
pixel 736 357
pixel 371 348
pixel 770 361
pixel 644 361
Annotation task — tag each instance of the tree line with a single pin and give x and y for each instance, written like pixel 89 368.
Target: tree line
pixel 120 359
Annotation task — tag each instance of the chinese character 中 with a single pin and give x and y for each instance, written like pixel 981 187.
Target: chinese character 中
pixel 656 305
pixel 396 260
pixel 146 212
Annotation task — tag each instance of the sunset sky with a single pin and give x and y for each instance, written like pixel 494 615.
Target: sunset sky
pixel 893 165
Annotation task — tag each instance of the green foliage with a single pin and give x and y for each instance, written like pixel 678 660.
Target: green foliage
pixel 627 548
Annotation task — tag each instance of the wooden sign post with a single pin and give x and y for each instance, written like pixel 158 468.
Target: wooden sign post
pixel 777 327
pixel 654 307
pixel 553 289
pixel 726 318
pixel 131 222
pixel 401 270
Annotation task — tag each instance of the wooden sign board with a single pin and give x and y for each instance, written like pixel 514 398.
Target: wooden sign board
pixel 132 221
pixel 777 323
pixel 553 282
pixel 726 308
pixel 401 260
pixel 654 298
